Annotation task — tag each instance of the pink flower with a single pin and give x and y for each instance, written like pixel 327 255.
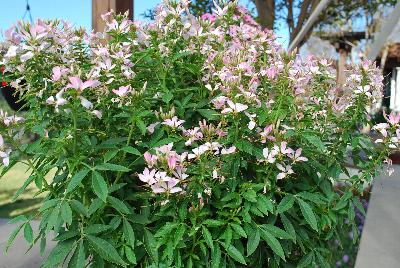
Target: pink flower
pixel 393 118
pixel 283 149
pixel 193 134
pixel 174 122
pixel 296 156
pixel 210 17
pixel 171 161
pixel 265 134
pixel 58 72
pixel 271 72
pixel 148 176
pixel 76 83
pixel 122 91
pixel 219 102
pixel 152 127
pixel 166 185
pixel 150 159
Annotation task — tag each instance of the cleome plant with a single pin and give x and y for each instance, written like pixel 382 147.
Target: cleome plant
pixel 187 142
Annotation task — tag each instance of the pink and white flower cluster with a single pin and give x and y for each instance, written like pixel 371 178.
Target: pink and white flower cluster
pixel 166 169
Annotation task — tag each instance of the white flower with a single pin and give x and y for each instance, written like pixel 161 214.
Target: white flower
pixel 269 156
pixel 230 150
pixel 197 152
pixel 86 103
pixel 28 55
pixel 234 108
pixel 97 113
pixel 285 171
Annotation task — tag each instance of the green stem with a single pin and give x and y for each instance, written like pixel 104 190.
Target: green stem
pixel 124 154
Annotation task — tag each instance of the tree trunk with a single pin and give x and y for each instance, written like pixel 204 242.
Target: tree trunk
pixel 266 12
pixel 100 7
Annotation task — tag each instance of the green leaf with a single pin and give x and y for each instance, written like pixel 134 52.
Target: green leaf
pixel 276 231
pixel 239 230
pixel 141 125
pixel 28 233
pixel 130 255
pixel 316 141
pixel 22 189
pixel 99 186
pixel 105 249
pixel 112 167
pixel 131 150
pixel 58 254
pixel 66 212
pixel 244 146
pixel 235 254
pixel 273 243
pixel 216 256
pixel 96 228
pixel 253 241
pixel 209 114
pixel 118 205
pixel 208 237
pixel 262 200
pixel 95 205
pixel 12 236
pixel 129 234
pixel 308 214
pixel 166 229
pixel 151 246
pixel 79 259
pixel 250 196
pixel 213 223
pixel 18 219
pixel 288 226
pixel 286 203
pixel 306 261
pixel 79 207
pixel 76 180
pixel 110 155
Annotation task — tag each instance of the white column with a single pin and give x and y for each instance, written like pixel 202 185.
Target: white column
pixel 397 89
pixel 392 89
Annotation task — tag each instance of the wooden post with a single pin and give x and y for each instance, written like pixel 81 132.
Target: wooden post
pixel 100 7
pixel 341 76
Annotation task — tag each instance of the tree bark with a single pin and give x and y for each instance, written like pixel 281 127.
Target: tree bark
pixel 266 12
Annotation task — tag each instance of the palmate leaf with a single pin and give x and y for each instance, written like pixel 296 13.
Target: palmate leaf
pixel 105 249
pixel 119 205
pixel 253 240
pixel 99 186
pixel 129 234
pixel 208 237
pixel 76 180
pixel 235 254
pixel 308 214
pixel 286 203
pixel 59 254
pixel 273 243
pixel 112 167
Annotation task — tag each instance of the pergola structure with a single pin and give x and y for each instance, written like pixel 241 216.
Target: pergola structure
pixel 100 7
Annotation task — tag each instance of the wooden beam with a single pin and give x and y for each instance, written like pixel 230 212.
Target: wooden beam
pixel 380 39
pixel 100 7
pixel 308 24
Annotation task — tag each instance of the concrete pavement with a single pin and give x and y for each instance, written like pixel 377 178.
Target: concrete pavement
pixel 380 241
